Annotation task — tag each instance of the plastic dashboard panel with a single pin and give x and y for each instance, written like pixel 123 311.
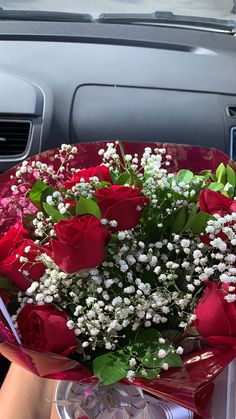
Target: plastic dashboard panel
pixel 21 100
pixel 96 81
pixel 117 112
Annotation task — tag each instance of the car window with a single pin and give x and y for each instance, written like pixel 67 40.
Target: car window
pixel 212 9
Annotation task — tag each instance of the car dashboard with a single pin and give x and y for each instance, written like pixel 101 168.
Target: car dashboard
pixel 79 82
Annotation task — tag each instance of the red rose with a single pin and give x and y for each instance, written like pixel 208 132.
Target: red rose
pixel 44 329
pixel 216 203
pixel 101 172
pixel 12 247
pixel 80 245
pixel 14 235
pixel 215 316
pixel 122 204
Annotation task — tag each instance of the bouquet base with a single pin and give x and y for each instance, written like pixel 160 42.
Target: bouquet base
pixel 117 401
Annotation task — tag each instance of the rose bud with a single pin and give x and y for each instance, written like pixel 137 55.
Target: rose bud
pixel 44 329
pixel 122 204
pixel 101 172
pixel 12 248
pixel 215 316
pixel 80 243
pixel 215 203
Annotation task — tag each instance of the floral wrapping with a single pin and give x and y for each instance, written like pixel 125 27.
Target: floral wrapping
pixel 189 386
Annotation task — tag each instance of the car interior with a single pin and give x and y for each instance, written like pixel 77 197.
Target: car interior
pixel 76 77
pixel 80 80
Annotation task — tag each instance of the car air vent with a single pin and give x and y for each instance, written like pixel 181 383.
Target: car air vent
pixel 231 111
pixel 232 152
pixel 14 137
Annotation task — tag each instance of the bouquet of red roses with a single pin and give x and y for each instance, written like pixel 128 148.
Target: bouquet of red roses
pixel 124 270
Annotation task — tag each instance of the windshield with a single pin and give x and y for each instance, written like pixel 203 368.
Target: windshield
pixel 213 9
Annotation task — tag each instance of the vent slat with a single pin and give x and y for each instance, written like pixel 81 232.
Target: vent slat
pixel 234 143
pixel 232 111
pixel 14 137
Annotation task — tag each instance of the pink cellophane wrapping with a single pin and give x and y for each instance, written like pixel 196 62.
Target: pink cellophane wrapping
pixel 190 386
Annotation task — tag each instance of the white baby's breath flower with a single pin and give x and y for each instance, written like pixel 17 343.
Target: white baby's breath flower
pixel 162 353
pixel 132 362
pixel 130 375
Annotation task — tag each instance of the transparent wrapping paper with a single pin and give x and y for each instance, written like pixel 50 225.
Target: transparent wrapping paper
pixel 190 386
pixel 116 401
pixel 183 157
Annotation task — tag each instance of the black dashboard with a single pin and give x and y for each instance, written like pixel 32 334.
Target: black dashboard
pixel 79 82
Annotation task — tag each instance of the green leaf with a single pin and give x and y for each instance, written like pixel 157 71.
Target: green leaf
pixel 207 174
pixel 152 373
pixel 53 213
pixel 216 186
pixel 173 359
pixel 221 173
pixel 6 284
pixel 185 176
pixel 47 192
pixel 173 335
pixel 123 178
pixel 114 175
pixel 138 183
pixel 152 361
pixel 36 192
pixel 146 347
pixel 88 206
pixel 228 190
pixel 190 218
pixel 231 178
pixel 114 238
pixel 145 340
pixel 200 222
pixel 179 220
pixel 111 367
pixel 101 184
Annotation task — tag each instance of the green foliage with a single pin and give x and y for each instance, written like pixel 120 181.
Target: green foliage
pixel 225 181
pixel 47 192
pixel 194 220
pixel 221 173
pixel 124 178
pixel 199 222
pixel 6 284
pixel 53 212
pixel 101 184
pixel 146 347
pixel 36 192
pixel 179 220
pixel 114 175
pixel 88 206
pixel 185 176
pixel 138 183
pixel 231 178
pixel 111 367
pixel 205 175
pixel 216 186
pixel 190 218
pixel 114 238
pixel 229 190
